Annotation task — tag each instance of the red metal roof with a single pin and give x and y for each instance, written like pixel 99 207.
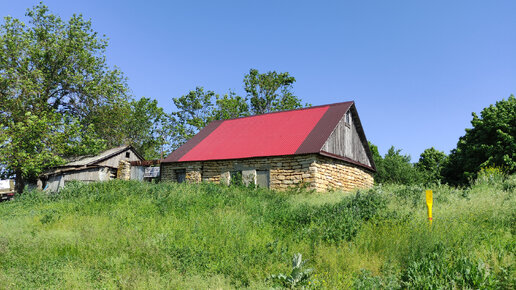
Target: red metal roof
pixel 299 131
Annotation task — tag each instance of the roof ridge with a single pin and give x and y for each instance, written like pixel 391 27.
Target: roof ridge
pixel 292 110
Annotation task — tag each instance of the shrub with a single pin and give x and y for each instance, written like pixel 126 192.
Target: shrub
pixel 443 268
pixel 332 223
pixel 490 176
pixel 299 276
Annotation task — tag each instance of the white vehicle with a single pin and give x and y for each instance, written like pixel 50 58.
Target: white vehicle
pixel 6 189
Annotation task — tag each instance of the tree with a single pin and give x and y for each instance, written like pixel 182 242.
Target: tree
pixel 39 141
pixel 231 106
pixel 147 128
pixel 271 91
pixel 430 163
pixel 199 107
pixel 394 167
pixel 195 111
pixel 53 81
pixel 491 142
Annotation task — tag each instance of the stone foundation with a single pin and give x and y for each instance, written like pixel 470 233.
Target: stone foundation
pixel 312 171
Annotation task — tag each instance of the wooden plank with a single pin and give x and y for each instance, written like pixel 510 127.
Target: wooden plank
pixel 345 141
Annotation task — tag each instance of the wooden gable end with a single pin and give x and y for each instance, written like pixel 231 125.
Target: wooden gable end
pixel 129 154
pixel 348 140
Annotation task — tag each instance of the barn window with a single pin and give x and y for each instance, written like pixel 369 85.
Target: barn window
pixel 262 178
pixel 127 154
pixel 348 117
pixel 180 175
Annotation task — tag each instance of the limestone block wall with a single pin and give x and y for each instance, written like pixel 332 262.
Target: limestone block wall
pixel 312 171
pixel 192 169
pixel 330 174
pixel 284 171
pixel 124 170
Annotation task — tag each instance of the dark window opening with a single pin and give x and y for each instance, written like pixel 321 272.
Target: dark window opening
pixel 236 178
pixel 348 117
pixel 127 154
pixel 262 178
pixel 180 175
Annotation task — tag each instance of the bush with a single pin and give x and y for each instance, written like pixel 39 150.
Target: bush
pixel 127 234
pixel 332 223
pixel 442 268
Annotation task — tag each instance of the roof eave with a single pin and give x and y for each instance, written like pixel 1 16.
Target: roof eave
pixel 130 147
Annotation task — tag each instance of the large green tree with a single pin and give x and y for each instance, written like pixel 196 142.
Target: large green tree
pixel 490 142
pixel 270 91
pixel 430 164
pixel 54 80
pixel 194 112
pixel 147 128
pixel 266 92
pixel 394 167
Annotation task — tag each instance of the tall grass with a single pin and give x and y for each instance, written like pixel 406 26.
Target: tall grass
pixel 125 234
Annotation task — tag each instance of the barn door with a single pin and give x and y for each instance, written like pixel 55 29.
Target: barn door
pixel 180 175
pixel 262 178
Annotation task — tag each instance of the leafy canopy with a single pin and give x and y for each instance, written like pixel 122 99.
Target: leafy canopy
pixel 394 167
pixel 271 91
pixel 266 92
pixel 53 83
pixel 430 164
pixel 490 143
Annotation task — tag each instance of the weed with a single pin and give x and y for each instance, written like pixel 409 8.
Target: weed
pixel 128 234
pixel 299 276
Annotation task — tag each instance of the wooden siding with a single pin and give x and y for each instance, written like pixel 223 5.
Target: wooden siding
pixel 345 141
pixel 114 160
pixel 56 182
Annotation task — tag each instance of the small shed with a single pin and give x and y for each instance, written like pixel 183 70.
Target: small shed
pixel 146 170
pixel 100 167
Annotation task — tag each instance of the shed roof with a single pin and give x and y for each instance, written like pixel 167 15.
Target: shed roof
pixel 91 160
pixel 300 131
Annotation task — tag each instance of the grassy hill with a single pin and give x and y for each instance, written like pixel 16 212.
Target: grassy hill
pixel 140 235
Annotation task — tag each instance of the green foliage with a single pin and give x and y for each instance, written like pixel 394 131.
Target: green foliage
pixel 430 164
pixel 332 223
pixel 236 178
pixel 491 142
pixel 299 276
pixel 394 167
pixel 366 280
pixel 128 234
pixel 194 112
pixel 54 81
pixel 442 268
pixel 147 128
pixel 490 176
pixel 39 141
pixel 271 91
pixel 266 93
pixel 231 106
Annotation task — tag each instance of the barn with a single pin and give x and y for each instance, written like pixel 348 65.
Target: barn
pixel 100 167
pixel 320 148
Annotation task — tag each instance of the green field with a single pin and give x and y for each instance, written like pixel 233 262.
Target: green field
pixel 122 234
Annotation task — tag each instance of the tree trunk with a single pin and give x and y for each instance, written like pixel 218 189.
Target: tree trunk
pixel 19 182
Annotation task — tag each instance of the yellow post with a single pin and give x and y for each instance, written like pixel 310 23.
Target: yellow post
pixel 429 201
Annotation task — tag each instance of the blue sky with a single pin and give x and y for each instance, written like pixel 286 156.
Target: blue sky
pixel 416 69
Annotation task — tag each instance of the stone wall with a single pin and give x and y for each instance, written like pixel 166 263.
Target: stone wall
pixel 124 170
pixel 330 174
pixel 311 171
